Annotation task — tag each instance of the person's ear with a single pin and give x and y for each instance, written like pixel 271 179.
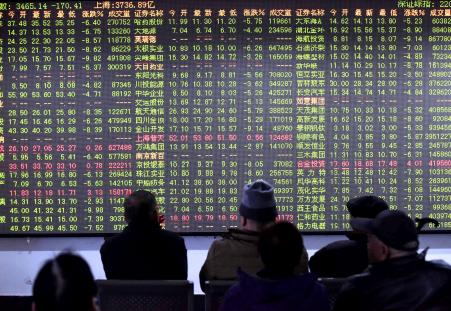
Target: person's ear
pixel 155 213
pixel 385 251
pixel 377 251
pixel 243 221
pixel 95 304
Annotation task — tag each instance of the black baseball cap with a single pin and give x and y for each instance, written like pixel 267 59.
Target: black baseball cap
pixel 367 206
pixel 394 228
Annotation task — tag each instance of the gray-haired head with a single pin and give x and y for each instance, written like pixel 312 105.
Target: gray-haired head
pixel 141 205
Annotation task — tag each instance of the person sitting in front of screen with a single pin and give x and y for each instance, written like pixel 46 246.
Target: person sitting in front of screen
pixel 238 247
pixel 277 286
pixel 398 278
pixel 65 284
pixel 347 257
pixel 144 251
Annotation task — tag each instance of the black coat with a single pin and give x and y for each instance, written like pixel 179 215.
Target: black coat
pixel 340 259
pixel 399 284
pixel 145 252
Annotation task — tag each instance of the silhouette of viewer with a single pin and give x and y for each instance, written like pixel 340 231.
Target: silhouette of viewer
pixel 144 251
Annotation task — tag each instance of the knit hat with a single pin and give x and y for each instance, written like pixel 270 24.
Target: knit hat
pixel 394 228
pixel 258 202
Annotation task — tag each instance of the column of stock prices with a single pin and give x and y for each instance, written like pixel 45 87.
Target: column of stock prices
pixel 327 100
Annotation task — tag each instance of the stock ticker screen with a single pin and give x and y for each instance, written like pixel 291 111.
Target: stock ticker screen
pixel 327 100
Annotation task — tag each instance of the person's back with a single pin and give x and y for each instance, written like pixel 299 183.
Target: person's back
pixel 65 284
pixel 347 257
pixel 277 286
pixel 439 301
pixel 399 278
pixel 340 259
pixel 399 284
pixel 141 252
pixel 238 247
pixel 144 251
pixel 299 292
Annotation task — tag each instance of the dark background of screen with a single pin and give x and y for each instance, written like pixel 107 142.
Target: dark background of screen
pixel 326 108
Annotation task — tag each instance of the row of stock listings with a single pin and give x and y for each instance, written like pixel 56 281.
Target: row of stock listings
pixel 193 99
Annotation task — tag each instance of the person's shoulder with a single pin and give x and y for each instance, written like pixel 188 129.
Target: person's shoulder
pixel 353 292
pixel 342 245
pixel 358 281
pixel 233 241
pixel 113 243
pixel 241 235
pixel 233 299
pixel 170 235
pixel 339 251
pixel 236 236
pixel 220 243
pixel 310 284
pixel 112 240
pixel 438 266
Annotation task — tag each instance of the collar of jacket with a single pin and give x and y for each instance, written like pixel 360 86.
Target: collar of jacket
pixel 242 235
pixel 355 236
pixel 394 264
pixel 140 226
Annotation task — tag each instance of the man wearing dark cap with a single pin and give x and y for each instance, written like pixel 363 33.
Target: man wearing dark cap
pixel 398 278
pixel 347 257
pixel 238 247
pixel 144 251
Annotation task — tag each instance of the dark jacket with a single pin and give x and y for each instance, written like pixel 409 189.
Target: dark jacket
pixel 440 301
pixel 341 259
pixel 400 284
pixel 300 292
pixel 237 248
pixel 145 252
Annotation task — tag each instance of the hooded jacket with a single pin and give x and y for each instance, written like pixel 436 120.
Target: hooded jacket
pixel 299 292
